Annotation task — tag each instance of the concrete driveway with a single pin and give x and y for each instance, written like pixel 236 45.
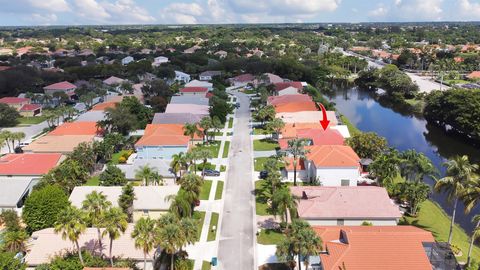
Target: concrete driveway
pixel 237 234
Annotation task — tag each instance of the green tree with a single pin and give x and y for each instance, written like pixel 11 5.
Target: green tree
pixel 145 173
pixel 95 205
pixel 386 167
pixel 112 176
pixel 116 222
pixel 414 166
pixel 275 126
pixel 367 144
pixel 296 148
pixel 15 240
pixel 9 262
pixel 204 155
pixel 191 130
pixel 125 201
pixel 8 116
pixel 84 154
pixel 71 224
pixel 178 164
pixel 459 173
pixel 10 220
pixel 180 204
pixel 284 204
pixel 144 234
pixel 415 193
pixel 470 198
pixel 206 124
pixel 43 206
pixel 69 174
pixel 266 113
pixel 120 119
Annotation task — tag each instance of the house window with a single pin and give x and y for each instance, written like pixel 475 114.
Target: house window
pixel 340 222
pixel 145 212
pixel 345 183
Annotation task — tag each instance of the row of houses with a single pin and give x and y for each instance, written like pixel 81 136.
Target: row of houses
pixel 336 201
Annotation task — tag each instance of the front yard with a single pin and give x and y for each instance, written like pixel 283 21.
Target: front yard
pixel 270 237
pixel 219 191
pixel 258 163
pixel 212 229
pixel 226 148
pixel 259 131
pixel 199 217
pixel 261 198
pixel 27 121
pixel 265 145
pixel 213 146
pixel 205 191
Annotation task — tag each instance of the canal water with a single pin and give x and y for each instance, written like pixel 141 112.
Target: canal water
pixel 405 131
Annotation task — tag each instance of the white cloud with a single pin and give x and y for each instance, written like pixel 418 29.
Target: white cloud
pixel 91 10
pixel 43 19
pixel 126 11
pixel 469 9
pixel 380 11
pixel 182 13
pixel 50 5
pixel 419 9
pixel 294 8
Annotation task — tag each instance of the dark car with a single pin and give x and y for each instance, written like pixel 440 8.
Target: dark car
pixel 237 105
pixel 263 174
pixel 211 173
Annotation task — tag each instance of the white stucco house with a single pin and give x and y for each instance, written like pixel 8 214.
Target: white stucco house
pixel 182 77
pixel 127 60
pixel 157 61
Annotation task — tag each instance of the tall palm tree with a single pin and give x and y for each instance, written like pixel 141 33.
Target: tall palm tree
pixel 145 174
pixel 116 222
pixel 71 224
pixel 193 156
pixel 475 235
pixel 157 178
pixel 204 155
pixel 283 204
pixel 191 129
pixel 145 238
pixel 181 205
pixel 6 137
pixel 95 205
pixel 192 185
pixel 459 173
pixel 177 164
pixel 471 198
pixel 205 124
pixel 296 148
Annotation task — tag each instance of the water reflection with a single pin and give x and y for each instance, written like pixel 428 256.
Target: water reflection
pixel 405 131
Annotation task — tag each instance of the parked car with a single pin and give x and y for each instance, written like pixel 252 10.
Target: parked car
pixel 211 173
pixel 263 174
pixel 237 105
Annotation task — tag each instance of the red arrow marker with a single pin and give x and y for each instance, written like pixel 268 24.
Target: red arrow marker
pixel 325 122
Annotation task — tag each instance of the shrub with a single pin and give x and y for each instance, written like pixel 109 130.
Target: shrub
pixel 112 176
pixel 42 207
pixel 122 160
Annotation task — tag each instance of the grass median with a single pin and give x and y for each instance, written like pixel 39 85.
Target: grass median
pixel 205 191
pixel 212 229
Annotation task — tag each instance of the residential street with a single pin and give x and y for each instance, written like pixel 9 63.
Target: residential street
pixel 30 131
pixel 237 235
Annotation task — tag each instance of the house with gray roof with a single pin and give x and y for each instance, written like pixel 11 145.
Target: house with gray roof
pixel 91 116
pixel 159 165
pixel 14 191
pixel 189 99
pixel 176 118
pixel 209 74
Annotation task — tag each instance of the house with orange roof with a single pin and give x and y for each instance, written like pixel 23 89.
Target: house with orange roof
pixel 22 105
pixel 380 248
pixel 277 100
pixel 328 206
pixel 307 117
pixel 290 130
pixel 76 128
pixel 315 136
pixel 283 85
pixel 65 87
pixel 329 165
pixel 162 141
pixel 28 164
pixel 296 107
pixel 474 75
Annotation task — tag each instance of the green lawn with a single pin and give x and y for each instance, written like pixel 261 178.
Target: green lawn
pixel 205 192
pixel 200 217
pixel 226 149
pixel 219 191
pixel 24 121
pixel 206 265
pixel 230 122
pixel 93 181
pixel 351 128
pixel 116 157
pixel 208 166
pixel 213 146
pixel 211 232
pixel 452 82
pixel 249 91
pixel 258 163
pixel 432 218
pixel 259 131
pixel 270 237
pixel 265 145
pixel 261 197
pixel 218 133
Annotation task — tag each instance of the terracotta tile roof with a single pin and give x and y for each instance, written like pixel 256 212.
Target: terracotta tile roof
pixel 104 105
pixel 290 130
pixel 277 100
pixel 374 247
pixel 57 144
pixel 283 85
pixel 194 90
pixel 113 80
pixel 164 134
pixel 14 100
pixel 307 117
pixel 351 202
pixel 289 164
pixel 30 107
pixel 76 128
pixel 244 78
pixel 333 156
pixel 474 75
pixel 60 86
pixel 296 107
pixel 28 164
pixel 318 137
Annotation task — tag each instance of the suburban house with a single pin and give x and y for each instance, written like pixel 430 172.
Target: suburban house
pixel 114 82
pixel 209 74
pixel 302 106
pixel 15 191
pixel 150 201
pixel 351 206
pixel 474 75
pixel 288 91
pixel 202 84
pixel 162 141
pixel 23 106
pixel 270 78
pixel 91 116
pixel 277 100
pixel 46 244
pixel 192 49
pixel 157 61
pixel 315 136
pixel 221 54
pixel 127 60
pixel 291 129
pixel 307 117
pixel 182 77
pixel 161 166
pixel 200 91
pixel 200 110
pixel 65 87
pixel 189 99
pixel 282 85
pixel 176 118
pixel 394 247
pixel 242 80
pixel 28 164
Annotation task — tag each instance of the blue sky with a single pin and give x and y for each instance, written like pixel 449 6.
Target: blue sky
pixel 73 12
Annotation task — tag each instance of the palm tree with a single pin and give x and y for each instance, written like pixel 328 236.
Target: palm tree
pixel 471 198
pixel 283 204
pixel 205 124
pixel 71 224
pixel 181 205
pixel 177 164
pixel 157 179
pixel 193 156
pixel 95 205
pixel 144 235
pixel 191 184
pixel 116 222
pixel 296 148
pixel 204 155
pixel 15 240
pixel 6 136
pixel 275 126
pixel 144 173
pixel 415 166
pixel 474 237
pixel 459 174
pixel 191 130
